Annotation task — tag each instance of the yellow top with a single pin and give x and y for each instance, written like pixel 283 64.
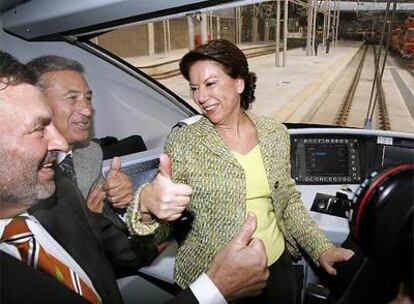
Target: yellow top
pixel 258 200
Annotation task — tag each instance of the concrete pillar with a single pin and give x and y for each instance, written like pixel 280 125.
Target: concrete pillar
pixel 333 11
pixel 218 27
pixel 164 34
pixel 151 41
pixel 325 8
pixel 239 25
pixel 236 26
pixel 328 33
pixel 337 22
pixel 255 26
pixel 210 24
pixel 285 31
pixel 309 29
pixel 315 15
pixel 168 36
pixel 335 35
pixel 190 30
pixel 204 34
pixel 240 19
pixel 277 56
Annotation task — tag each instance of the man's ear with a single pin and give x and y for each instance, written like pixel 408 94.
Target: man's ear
pixel 240 85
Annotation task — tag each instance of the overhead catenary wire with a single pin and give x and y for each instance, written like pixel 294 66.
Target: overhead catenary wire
pixel 368 123
pixel 386 124
pixel 378 78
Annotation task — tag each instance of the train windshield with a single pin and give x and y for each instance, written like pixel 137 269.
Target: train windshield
pixel 329 81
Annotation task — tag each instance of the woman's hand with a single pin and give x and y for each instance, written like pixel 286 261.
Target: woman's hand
pixel 162 197
pixel 333 255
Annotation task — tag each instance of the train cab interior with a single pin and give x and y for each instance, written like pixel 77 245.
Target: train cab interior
pixel 134 113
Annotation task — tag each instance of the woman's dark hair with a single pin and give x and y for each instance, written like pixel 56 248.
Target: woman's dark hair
pixel 232 59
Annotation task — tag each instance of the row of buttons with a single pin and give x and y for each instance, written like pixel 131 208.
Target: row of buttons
pixel 331 178
pixel 325 140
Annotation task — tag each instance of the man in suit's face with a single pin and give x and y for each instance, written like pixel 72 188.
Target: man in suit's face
pixel 70 98
pixel 27 144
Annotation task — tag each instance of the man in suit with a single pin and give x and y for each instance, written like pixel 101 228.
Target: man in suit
pixel 70 99
pixel 68 94
pixel 28 146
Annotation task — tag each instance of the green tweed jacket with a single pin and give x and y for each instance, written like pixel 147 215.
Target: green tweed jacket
pixel 201 159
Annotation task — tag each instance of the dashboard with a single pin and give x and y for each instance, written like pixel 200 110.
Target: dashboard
pixel 345 156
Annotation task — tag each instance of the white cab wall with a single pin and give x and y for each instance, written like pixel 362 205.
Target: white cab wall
pixel 123 105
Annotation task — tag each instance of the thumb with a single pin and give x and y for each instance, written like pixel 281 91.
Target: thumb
pixel 249 227
pixel 165 166
pixel 115 165
pixel 329 269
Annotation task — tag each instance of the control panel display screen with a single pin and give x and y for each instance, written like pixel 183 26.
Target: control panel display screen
pixel 327 160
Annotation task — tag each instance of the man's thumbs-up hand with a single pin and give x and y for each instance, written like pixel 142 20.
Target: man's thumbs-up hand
pixel 162 197
pixel 115 167
pixel 117 186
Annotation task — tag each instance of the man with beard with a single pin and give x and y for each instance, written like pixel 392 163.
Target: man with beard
pixel 37 268
pixel 28 147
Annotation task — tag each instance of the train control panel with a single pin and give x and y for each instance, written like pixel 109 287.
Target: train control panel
pixel 345 156
pixel 328 165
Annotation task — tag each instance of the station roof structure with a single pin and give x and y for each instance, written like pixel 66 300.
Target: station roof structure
pixel 34 19
pixel 372 5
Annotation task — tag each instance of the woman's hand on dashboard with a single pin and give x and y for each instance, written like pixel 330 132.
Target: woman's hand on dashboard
pixel 334 255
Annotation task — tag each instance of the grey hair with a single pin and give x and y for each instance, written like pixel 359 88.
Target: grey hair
pixel 52 63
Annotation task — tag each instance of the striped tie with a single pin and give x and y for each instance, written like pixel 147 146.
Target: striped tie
pixel 17 233
pixel 67 167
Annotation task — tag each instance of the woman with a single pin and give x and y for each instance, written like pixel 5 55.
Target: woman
pixel 238 162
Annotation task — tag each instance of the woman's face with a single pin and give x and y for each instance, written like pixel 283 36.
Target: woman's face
pixel 217 94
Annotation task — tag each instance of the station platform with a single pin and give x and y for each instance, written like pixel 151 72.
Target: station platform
pixel 291 93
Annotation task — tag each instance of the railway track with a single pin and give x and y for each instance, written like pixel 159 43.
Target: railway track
pixel 346 101
pixel 383 117
pixel 345 109
pixel 378 100
pixel 170 69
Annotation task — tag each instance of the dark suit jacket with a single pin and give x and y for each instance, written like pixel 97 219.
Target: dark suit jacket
pixel 125 253
pixel 20 283
pixel 64 218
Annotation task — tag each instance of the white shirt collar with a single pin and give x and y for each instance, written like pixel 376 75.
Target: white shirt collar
pixel 61 155
pixel 5 221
